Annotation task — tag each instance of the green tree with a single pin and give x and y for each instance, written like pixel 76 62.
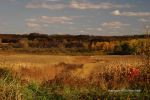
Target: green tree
pixel 124 49
pixel 127 49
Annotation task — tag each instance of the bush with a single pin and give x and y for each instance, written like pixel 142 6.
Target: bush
pixel 124 49
pixel 24 43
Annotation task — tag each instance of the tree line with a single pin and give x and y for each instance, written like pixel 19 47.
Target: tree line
pixel 121 45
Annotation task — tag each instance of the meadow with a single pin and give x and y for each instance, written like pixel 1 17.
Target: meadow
pixel 53 77
pixel 48 66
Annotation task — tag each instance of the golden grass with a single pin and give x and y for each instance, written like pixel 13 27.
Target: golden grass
pixel 68 76
pixel 47 67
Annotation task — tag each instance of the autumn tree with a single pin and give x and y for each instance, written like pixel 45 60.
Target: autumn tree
pixel 23 43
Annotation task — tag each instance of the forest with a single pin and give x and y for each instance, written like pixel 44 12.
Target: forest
pixel 72 44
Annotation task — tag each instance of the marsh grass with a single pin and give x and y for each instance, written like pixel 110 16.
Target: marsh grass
pixel 69 80
pixel 62 87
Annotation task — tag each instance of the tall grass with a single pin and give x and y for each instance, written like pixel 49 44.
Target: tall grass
pixel 67 83
pixel 67 87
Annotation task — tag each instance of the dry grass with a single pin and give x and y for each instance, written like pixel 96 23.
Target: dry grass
pixel 46 67
pixel 84 75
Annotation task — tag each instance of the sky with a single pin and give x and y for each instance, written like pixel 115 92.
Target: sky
pixel 75 17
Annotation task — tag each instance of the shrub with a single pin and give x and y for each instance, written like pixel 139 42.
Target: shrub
pixel 23 43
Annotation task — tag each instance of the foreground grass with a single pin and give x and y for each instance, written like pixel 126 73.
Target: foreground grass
pixel 14 88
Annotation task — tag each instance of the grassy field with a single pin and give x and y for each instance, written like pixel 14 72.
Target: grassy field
pixel 50 65
pixel 74 77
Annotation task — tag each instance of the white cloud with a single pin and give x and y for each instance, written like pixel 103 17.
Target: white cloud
pixel 49 4
pixel 147 27
pixel 116 12
pixel 82 31
pixel 114 25
pixel 31 20
pixel 60 20
pixel 52 0
pixel 94 29
pixel 137 14
pixel 45 5
pixel 33 25
pixel 99 29
pixel 45 25
pixel 144 20
pixel 52 20
pixel 89 29
pixel 88 5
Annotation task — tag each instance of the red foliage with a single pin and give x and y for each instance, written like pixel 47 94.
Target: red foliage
pixel 133 73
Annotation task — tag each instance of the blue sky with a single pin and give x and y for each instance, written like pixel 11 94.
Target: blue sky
pixel 92 17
